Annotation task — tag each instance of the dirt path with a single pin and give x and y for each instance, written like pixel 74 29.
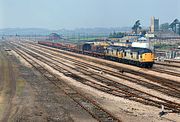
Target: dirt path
pixel 1 72
pixel 12 86
pixel 8 84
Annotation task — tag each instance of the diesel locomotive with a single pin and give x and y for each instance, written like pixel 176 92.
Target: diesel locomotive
pixel 141 57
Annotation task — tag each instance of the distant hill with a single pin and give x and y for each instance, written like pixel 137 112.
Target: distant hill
pixel 24 31
pixel 41 31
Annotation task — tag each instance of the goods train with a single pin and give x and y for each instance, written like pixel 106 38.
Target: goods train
pixel 141 57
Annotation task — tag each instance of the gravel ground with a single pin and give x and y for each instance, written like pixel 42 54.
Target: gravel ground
pixel 38 100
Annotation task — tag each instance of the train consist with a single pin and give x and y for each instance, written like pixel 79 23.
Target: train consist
pixel 141 57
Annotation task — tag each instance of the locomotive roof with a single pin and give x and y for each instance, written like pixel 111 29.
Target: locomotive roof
pixel 133 49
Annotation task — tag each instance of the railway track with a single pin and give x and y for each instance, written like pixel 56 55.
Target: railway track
pixel 166 72
pixel 163 81
pixel 172 61
pixel 117 88
pixel 118 73
pixel 86 103
pixel 167 64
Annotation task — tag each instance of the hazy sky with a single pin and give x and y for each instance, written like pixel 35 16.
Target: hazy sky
pixel 70 14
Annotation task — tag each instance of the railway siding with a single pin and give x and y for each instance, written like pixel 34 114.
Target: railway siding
pixel 127 68
pixel 114 70
pixel 101 74
pixel 93 108
pixel 161 103
pixel 91 72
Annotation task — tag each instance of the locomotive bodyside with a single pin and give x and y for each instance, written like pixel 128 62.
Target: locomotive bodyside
pixel 142 57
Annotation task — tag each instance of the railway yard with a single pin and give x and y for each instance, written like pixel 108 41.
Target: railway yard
pixel 50 84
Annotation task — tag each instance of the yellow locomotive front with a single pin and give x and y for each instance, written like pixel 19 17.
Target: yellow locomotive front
pixel 147 57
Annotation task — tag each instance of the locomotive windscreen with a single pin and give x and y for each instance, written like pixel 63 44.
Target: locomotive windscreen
pixel 86 47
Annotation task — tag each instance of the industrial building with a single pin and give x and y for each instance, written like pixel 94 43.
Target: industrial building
pixel 175 26
pixel 154 25
pixel 54 36
pixel 164 27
